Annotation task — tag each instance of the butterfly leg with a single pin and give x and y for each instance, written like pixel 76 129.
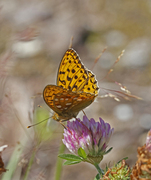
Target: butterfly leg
pixel 84 113
pixel 63 125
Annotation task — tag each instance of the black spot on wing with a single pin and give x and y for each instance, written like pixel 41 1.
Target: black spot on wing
pixel 69 79
pixel 76 77
pixel 62 81
pixel 75 86
pixel 73 71
pixel 61 72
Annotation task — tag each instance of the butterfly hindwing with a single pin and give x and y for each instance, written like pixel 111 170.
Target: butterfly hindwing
pixel 65 102
pixel 49 94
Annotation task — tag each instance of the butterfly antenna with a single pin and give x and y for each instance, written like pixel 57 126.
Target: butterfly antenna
pixel 99 56
pixel 71 40
pixel 84 113
pixel 111 69
pixel 43 108
pixel 37 123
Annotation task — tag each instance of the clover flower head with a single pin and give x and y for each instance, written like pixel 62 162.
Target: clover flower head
pixel 93 137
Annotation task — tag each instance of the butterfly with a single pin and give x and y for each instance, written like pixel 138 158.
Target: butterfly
pixel 76 88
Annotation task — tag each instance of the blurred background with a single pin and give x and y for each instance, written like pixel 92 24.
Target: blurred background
pixel 34 36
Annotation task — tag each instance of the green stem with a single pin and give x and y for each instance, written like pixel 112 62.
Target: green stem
pixel 29 165
pixel 59 163
pixel 100 171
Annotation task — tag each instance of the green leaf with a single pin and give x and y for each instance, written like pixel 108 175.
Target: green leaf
pixel 108 150
pixel 70 157
pixel 82 153
pixel 97 177
pixel 71 162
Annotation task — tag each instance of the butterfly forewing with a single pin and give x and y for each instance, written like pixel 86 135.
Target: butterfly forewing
pixel 72 75
pixel 92 85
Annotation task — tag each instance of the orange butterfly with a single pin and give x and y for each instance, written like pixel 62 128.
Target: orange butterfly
pixel 75 90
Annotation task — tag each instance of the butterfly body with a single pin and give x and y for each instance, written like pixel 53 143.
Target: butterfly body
pixel 75 90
